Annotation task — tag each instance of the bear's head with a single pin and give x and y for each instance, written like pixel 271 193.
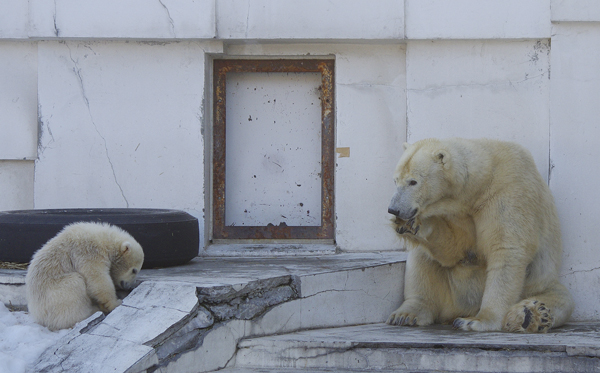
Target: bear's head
pixel 423 177
pixel 127 264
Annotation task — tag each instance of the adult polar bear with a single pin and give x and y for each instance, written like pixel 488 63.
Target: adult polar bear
pixel 485 238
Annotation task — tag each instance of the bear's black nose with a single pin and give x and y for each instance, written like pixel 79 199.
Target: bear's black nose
pixel 393 212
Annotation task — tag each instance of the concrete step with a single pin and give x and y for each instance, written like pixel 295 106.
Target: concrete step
pixel 300 370
pixel 379 347
pixel 190 318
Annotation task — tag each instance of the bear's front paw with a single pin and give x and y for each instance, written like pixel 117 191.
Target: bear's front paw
pixel 409 226
pixel 402 319
pixel 407 318
pixel 475 324
pixel 528 316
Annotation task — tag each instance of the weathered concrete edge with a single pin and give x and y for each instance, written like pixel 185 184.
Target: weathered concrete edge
pixel 191 337
pixel 225 336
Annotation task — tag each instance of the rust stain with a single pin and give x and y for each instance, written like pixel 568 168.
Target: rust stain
pixel 220 70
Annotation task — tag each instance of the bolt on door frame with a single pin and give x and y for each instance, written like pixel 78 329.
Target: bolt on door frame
pixel 221 67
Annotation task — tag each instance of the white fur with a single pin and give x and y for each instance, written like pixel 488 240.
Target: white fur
pixel 75 273
pixel 485 238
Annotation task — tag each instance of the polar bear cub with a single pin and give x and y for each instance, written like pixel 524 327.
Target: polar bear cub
pixel 76 273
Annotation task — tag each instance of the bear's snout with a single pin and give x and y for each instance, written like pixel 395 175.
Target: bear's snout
pixel 404 216
pixel 124 285
pixel 393 211
pixel 402 204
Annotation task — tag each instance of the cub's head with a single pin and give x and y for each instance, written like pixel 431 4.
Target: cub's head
pixel 422 177
pixel 127 264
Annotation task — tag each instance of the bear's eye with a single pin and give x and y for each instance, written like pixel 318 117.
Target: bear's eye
pixel 412 182
pixel 134 271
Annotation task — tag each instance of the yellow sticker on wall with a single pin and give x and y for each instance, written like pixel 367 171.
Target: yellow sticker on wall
pixel 343 152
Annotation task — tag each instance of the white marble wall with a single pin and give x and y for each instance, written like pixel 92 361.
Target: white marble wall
pixel 310 19
pixel 117 92
pixel 18 100
pixel 480 88
pixel 16 185
pixel 163 19
pixel 574 144
pixel 575 10
pixel 18 120
pixel 121 125
pixel 476 19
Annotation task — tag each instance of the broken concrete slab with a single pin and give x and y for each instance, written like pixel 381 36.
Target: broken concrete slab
pixel 80 352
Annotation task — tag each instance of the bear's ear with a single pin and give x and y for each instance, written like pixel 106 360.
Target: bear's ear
pixel 405 145
pixel 442 156
pixel 125 246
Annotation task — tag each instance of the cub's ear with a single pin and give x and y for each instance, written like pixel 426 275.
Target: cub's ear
pixel 125 247
pixel 405 145
pixel 442 156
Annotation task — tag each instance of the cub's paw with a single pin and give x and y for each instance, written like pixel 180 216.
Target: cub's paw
pixel 411 226
pixel 474 324
pixel 111 305
pixel 528 316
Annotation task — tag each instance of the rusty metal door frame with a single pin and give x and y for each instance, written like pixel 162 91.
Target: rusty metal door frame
pixel 221 67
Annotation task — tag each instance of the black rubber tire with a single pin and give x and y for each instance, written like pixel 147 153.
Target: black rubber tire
pixel 168 237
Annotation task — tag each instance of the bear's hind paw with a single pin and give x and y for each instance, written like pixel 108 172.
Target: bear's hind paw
pixel 528 316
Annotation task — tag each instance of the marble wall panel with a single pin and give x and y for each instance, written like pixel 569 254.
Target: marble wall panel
pixel 160 19
pixel 121 125
pixel 575 10
pixel 311 19
pixel 574 134
pixel 497 89
pixel 14 19
pixel 16 185
pixel 475 19
pixel 18 100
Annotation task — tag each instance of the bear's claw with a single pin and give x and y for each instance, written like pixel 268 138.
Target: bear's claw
pixel 410 226
pixel 402 320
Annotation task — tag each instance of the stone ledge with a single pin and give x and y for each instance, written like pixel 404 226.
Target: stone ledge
pixel 191 318
pixel 570 348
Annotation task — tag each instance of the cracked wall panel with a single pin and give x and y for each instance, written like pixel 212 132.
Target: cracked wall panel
pixel 167 19
pixel 18 100
pixel 496 89
pixel 74 156
pixel 117 117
